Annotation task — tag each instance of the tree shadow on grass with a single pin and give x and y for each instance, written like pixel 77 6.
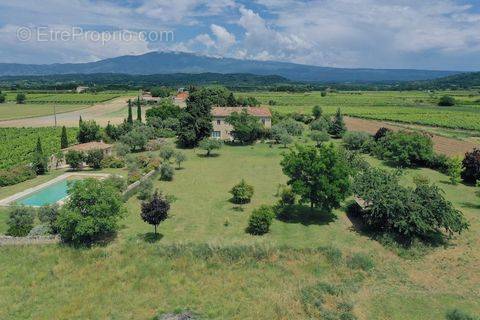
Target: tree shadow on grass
pixel 151 237
pixel 238 208
pixel 306 216
pixel 204 155
pixel 471 205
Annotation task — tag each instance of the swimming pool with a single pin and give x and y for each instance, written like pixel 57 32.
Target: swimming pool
pixel 49 195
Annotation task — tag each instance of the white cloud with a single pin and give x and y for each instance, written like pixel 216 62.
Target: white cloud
pixel 225 39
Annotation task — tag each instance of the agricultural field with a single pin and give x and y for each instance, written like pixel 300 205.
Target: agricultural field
pixel 205 262
pixel 66 98
pixel 18 144
pixel 407 107
pixel 11 110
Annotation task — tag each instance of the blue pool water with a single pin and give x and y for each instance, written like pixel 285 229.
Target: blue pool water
pixel 48 195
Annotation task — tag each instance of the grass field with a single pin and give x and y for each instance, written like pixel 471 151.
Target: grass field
pixel 408 107
pixel 209 266
pixel 11 110
pixel 66 98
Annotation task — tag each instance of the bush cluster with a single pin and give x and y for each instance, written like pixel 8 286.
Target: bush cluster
pixel 260 220
pixel 242 193
pixel 16 175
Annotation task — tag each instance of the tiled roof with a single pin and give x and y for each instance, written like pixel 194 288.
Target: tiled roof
pixel 254 111
pixel 182 96
pixel 94 145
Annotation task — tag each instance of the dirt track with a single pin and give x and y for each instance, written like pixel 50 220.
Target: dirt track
pixel 448 146
pixel 114 111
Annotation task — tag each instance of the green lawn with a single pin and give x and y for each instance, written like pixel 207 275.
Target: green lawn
pixel 214 268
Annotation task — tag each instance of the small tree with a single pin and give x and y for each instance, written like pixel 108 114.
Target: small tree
pixel 209 145
pixel 145 189
pixel 88 131
pixel 231 101
pixel 246 128
pixel 318 175
pixel 323 93
pixel 242 193
pixel 317 112
pixel 357 140
pixel 40 162
pixel 166 172
pixel 3 97
pixel 446 101
pixel 139 110
pixel 180 157
pixel 285 139
pixel 320 124
pixel 21 97
pixel 454 170
pixel 260 220
pixel 471 166
pixel 156 210
pixel 94 158
pixel 130 115
pixel 20 221
pixel 319 137
pixel 337 127
pixel 74 159
pixel 166 153
pixel 64 138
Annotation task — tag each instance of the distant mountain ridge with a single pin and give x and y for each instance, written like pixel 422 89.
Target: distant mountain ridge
pixel 178 62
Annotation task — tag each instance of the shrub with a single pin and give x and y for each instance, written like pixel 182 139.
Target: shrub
pixel 166 153
pixel 291 126
pixel 407 148
pixel 156 210
pixel 320 124
pixel 260 220
pixel 16 175
pixel 360 261
pixel 454 170
pixel 166 172
pixel 457 314
pixel 242 193
pixel 21 97
pixel 40 230
pixel 88 131
pixel 138 137
pixel 317 112
pixel 117 182
pixel 209 145
pixel 180 157
pixel 91 212
pixel 356 140
pixel 337 127
pixel 122 149
pixel 287 197
pixel 112 162
pixel 133 176
pixel 20 221
pixel 145 189
pixel 154 145
pixel 48 215
pixel 382 132
pixel 319 137
pixel 74 159
pixel 94 158
pixel 439 162
pixel 471 166
pixel 446 101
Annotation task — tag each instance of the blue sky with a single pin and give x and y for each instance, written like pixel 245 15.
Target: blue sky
pixel 425 34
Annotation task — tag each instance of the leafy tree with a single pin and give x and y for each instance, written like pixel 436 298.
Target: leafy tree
pixel 74 159
pixel 155 210
pixel 320 124
pixel 180 157
pixel 21 98
pixel 138 137
pixel 48 215
pixel 357 140
pixel 88 131
pixel 406 148
pixel 279 134
pixel 166 153
pixel 196 120
pixel 260 220
pixel 382 132
pixel 242 193
pixel 209 145
pixel 40 162
pixel 162 92
pixel 166 172
pixel 20 221
pixel 91 213
pixel 231 101
pixel 471 166
pixel 446 101
pixel 318 175
pixel 165 110
pixel 246 128
pixel 94 158
pixel 319 137
pixel 454 170
pixel 285 139
pixel 337 127
pixel 64 138
pixel 292 126
pixel 317 112
pixel 405 211
pixel 3 97
pixel 130 115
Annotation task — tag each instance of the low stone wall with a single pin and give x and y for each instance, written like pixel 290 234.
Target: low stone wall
pixel 8 240
pixel 132 189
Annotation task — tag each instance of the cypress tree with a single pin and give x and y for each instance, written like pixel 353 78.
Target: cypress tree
pixel 64 138
pixel 39 163
pixel 139 110
pixel 130 116
pixel 337 127
pixel 80 121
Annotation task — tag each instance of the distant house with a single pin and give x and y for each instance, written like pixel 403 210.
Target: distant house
pixel 81 89
pixel 147 97
pixel 181 99
pixel 222 130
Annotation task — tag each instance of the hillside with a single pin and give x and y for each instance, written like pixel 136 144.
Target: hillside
pixel 458 81
pixel 168 62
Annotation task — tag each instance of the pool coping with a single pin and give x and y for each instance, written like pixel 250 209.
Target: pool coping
pixel 22 194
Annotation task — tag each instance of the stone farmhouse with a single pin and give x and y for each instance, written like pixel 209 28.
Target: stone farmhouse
pixel 222 130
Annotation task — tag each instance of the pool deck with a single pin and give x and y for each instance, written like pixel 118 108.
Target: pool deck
pixel 9 200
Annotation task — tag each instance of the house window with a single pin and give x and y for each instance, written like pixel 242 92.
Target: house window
pixel 263 121
pixel 216 134
pixel 219 122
